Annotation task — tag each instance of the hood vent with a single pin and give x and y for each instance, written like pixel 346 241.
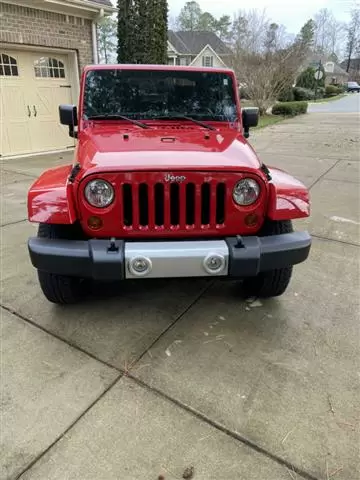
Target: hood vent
pixel 176 127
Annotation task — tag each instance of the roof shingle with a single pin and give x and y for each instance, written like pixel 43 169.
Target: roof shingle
pixel 194 42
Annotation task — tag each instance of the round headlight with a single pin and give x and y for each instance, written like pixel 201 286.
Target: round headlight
pixel 99 193
pixel 246 191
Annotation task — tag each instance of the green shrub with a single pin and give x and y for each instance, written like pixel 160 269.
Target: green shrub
pixel 306 79
pixel 332 90
pixel 301 94
pixel 286 95
pixel 289 109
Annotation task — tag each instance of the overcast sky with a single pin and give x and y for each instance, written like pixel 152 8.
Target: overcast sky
pixel 292 13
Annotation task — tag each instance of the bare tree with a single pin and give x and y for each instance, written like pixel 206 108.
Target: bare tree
pixel 353 37
pixel 249 30
pixel 329 33
pixel 267 68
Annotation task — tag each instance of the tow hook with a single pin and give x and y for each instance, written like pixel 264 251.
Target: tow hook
pixel 112 247
pixel 239 242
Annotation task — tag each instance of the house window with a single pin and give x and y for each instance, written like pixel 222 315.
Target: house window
pixel 46 67
pixel 8 66
pixel 208 61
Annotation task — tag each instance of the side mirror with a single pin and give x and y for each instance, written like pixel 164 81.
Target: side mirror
pixel 68 116
pixel 250 118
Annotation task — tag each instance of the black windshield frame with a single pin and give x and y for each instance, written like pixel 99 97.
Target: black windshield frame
pixel 146 94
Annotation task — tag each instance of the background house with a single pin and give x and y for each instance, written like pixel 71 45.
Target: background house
pixel 43 46
pixel 197 49
pixel 334 73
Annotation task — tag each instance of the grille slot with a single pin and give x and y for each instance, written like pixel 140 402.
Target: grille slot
pixel 190 204
pixel 205 203
pixel 143 205
pixel 127 205
pixel 160 205
pixel 220 203
pixel 174 204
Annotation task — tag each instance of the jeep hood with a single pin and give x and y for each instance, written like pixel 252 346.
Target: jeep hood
pixel 110 148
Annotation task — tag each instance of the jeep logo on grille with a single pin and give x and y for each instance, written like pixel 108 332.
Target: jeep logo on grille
pixel 174 178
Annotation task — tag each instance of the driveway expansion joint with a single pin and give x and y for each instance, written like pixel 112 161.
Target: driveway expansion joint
pixel 8 170
pixel 13 223
pixel 58 337
pixel 92 404
pixel 328 239
pixel 325 173
pixel 218 426
pixel 172 324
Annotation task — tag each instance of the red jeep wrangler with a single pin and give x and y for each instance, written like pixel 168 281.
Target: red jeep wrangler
pixel 164 184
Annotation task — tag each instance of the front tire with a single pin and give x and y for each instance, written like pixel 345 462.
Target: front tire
pixel 273 282
pixel 60 289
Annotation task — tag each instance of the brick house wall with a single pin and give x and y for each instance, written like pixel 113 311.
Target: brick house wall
pixel 29 26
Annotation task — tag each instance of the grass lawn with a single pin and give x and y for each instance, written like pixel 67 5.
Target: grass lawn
pixel 266 120
pixel 330 99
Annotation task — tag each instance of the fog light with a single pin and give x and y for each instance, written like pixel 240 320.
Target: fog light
pixel 140 266
pixel 95 223
pixel 214 263
pixel 251 220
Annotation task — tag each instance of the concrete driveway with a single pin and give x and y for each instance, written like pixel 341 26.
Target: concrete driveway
pixel 348 104
pixel 146 380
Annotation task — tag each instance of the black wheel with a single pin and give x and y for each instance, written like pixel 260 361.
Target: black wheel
pixel 274 282
pixel 61 289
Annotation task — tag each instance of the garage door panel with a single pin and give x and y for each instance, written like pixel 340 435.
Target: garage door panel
pixel 14 120
pixel 29 119
pixel 46 130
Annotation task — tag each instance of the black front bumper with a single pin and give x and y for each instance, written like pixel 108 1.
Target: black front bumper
pixel 97 259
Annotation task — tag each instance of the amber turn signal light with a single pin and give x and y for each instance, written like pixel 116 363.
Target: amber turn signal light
pixel 94 223
pixel 251 220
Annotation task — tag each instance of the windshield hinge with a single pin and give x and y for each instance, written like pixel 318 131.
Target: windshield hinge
pixel 74 171
pixel 265 169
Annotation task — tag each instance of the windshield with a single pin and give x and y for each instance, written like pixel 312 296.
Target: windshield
pixel 147 94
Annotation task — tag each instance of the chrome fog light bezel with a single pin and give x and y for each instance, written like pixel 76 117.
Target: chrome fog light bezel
pixel 219 268
pixel 135 271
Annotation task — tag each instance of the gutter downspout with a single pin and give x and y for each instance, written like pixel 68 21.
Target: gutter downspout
pixel 94 36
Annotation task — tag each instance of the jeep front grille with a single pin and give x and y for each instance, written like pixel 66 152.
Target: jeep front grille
pixel 173 205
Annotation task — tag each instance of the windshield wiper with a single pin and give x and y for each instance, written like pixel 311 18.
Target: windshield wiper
pixel 115 116
pixel 179 116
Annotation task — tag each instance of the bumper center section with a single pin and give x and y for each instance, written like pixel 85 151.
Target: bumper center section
pixel 176 259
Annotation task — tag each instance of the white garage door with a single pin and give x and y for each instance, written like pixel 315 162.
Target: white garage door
pixel 33 85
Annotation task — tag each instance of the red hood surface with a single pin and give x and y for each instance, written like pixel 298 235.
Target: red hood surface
pixel 112 147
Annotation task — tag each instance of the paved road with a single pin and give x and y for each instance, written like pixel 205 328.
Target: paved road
pixel 153 377
pixel 348 104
